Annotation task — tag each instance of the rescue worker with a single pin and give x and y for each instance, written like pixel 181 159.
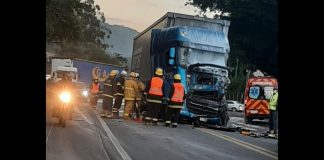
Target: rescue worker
pixel 273 112
pixel 154 97
pixel 139 93
pixel 110 88
pixel 176 99
pixel 130 91
pixel 120 93
pixel 94 90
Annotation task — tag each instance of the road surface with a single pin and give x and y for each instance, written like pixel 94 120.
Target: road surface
pixel 88 136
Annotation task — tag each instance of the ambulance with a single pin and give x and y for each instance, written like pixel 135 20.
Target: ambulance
pixel 257 94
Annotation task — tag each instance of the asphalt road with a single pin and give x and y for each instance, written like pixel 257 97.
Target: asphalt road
pixel 88 136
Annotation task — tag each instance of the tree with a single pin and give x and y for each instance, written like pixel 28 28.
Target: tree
pixel 75 21
pixel 78 27
pixel 253 30
pixel 120 58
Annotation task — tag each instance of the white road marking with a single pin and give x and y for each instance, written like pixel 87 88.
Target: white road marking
pixel 84 117
pixel 50 130
pixel 113 139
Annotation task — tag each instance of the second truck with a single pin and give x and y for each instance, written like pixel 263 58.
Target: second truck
pixel 196 48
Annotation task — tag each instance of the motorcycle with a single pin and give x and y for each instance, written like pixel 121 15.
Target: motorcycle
pixel 64 108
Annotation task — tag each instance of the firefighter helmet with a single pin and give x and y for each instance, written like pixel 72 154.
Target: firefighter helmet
pixel 132 74
pixel 177 77
pixel 159 71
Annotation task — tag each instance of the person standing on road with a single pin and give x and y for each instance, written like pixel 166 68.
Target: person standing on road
pixel 94 90
pixel 130 91
pixel 109 90
pixel 155 96
pixel 176 99
pixel 139 93
pixel 120 93
pixel 273 103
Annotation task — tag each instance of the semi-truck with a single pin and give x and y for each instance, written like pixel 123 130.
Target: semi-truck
pixel 83 71
pixel 197 48
pixel 89 69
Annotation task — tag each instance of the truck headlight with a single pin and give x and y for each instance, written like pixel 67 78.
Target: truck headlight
pixel 85 93
pixel 65 97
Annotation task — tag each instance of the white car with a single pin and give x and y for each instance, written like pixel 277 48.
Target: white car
pixel 235 106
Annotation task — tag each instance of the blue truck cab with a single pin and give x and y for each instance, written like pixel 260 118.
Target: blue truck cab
pixel 197 49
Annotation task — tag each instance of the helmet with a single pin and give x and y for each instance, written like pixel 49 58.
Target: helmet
pixel 132 74
pixel 177 77
pixel 137 75
pixel 113 73
pixel 124 73
pixel 159 71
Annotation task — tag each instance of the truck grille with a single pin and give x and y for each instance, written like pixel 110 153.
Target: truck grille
pixel 203 107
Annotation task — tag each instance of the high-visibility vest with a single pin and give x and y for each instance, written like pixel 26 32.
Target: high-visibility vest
pixel 156 86
pixel 273 101
pixel 95 88
pixel 178 93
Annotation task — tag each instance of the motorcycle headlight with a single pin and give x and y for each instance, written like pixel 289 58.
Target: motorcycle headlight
pixel 85 93
pixel 65 97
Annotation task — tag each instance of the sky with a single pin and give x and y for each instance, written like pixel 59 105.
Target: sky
pixel 140 14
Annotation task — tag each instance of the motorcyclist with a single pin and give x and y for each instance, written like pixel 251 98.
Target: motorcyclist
pixel 63 85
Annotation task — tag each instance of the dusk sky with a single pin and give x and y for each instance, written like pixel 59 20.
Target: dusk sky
pixel 139 14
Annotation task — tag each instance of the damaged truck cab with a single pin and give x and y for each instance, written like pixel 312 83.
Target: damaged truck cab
pixel 196 48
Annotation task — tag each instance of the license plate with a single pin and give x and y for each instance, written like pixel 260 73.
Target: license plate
pixel 253 111
pixel 203 119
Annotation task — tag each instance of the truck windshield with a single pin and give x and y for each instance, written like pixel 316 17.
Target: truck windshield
pixel 189 56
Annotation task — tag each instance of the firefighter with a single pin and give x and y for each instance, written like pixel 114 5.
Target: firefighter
pixel 176 99
pixel 154 97
pixel 120 93
pixel 94 90
pixel 110 88
pixel 139 93
pixel 130 91
pixel 273 112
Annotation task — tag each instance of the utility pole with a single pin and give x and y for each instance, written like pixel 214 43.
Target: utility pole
pixel 236 67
